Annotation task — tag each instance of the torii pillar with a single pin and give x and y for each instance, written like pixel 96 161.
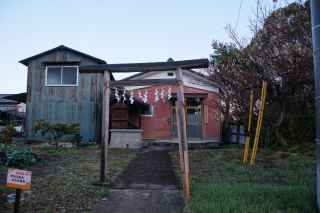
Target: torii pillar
pixel 105 127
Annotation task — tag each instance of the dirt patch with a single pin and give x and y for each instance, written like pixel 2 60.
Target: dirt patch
pixel 63 182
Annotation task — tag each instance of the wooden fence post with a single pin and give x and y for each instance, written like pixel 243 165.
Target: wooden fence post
pixel 105 127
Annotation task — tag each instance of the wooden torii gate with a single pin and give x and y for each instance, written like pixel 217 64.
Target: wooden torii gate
pixel 106 69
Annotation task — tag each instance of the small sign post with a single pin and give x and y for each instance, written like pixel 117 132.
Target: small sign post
pixel 19 179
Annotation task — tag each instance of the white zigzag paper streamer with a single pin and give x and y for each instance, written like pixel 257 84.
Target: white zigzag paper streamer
pixel 117 95
pixel 162 95
pixel 169 93
pixel 131 97
pixel 156 94
pixel 140 96
pixel 123 95
pixel 145 97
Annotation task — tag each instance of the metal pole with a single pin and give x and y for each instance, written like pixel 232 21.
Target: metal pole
pixel 18 197
pixel 315 24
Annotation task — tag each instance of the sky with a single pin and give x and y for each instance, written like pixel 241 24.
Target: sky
pixel 115 31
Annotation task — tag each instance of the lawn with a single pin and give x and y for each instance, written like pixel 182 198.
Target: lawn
pixel 282 180
pixel 63 183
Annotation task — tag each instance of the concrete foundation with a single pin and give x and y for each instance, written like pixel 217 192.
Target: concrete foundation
pixel 126 138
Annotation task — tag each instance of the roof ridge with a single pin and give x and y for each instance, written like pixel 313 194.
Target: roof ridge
pixel 61 47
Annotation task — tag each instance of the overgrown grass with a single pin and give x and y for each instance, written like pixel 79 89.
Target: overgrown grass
pixel 64 182
pixel 220 182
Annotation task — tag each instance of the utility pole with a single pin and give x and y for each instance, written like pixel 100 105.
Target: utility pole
pixel 315 25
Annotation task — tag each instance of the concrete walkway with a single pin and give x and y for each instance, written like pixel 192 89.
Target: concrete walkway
pixel 147 184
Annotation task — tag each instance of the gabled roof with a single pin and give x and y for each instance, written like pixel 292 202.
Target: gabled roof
pixel 169 60
pixel 61 47
pixel 192 71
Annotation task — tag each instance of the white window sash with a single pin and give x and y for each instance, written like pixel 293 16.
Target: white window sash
pixel 61 85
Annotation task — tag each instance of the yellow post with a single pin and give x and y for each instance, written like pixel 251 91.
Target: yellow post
pixel 255 146
pixel 245 158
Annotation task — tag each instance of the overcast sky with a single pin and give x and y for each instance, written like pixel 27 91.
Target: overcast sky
pixel 115 31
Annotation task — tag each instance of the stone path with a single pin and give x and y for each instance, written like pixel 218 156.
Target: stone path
pixel 147 184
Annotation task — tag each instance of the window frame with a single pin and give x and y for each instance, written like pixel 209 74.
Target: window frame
pixel 61 85
pixel 149 115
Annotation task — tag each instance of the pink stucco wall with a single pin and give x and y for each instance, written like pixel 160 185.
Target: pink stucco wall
pixel 158 126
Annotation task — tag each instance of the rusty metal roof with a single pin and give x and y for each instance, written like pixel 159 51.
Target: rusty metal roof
pixel 61 47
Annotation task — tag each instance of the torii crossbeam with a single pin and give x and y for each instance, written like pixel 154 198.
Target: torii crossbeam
pixel 106 69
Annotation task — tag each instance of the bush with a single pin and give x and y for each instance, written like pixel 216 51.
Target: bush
pixel 77 138
pixel 13 156
pixel 57 130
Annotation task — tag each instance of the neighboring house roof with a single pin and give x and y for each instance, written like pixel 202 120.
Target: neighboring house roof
pixel 21 97
pixel 7 101
pixel 61 47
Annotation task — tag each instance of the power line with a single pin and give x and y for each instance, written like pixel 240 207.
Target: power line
pixel 238 16
pixel 255 45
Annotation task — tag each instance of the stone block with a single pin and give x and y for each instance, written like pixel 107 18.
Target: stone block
pixel 126 138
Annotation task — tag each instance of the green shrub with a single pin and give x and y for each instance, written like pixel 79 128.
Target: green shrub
pixel 77 138
pixel 13 156
pixel 57 130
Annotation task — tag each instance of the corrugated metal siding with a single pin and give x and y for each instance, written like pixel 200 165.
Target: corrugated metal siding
pixel 81 104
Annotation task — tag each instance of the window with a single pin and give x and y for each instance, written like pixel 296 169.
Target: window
pixel 148 113
pixel 61 76
pixel 170 73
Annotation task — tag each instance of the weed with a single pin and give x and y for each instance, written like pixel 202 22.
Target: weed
pixel 101 193
pixel 45 148
pixel 51 151
pixel 220 182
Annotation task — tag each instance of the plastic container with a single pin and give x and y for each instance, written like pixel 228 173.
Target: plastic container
pixel 11 198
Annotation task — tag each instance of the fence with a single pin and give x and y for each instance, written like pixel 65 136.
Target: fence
pixel 234 134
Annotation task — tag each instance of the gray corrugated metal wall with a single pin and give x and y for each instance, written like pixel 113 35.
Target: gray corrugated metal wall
pixel 81 104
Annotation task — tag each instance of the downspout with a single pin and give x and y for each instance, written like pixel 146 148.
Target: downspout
pixel 315 24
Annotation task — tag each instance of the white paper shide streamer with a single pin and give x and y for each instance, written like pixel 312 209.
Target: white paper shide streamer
pixel 156 94
pixel 117 95
pixel 145 99
pixel 169 93
pixel 140 96
pixel 131 97
pixel 162 91
pixel 123 95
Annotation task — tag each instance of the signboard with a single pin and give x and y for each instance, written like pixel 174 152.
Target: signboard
pixel 205 114
pixel 19 179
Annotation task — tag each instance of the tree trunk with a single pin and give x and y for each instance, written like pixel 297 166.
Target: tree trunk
pixel 279 137
pixel 226 118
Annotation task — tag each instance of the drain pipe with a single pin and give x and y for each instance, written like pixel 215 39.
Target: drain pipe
pixel 315 24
